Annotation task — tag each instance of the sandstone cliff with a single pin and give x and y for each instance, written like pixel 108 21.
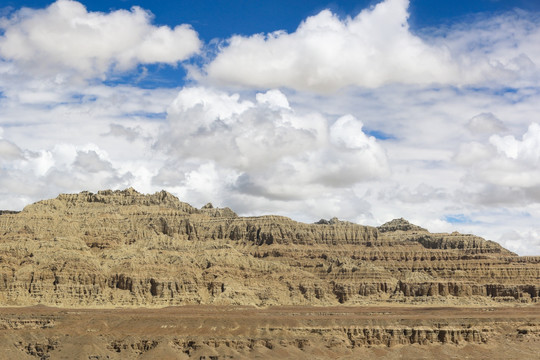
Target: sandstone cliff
pixel 123 248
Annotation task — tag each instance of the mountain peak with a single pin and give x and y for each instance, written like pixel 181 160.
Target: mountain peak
pixel 399 225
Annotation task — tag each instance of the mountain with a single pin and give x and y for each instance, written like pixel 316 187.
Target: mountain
pixel 125 249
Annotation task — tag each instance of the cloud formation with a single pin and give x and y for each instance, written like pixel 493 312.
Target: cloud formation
pixel 9 151
pixel 66 40
pixel 375 48
pixel 264 141
pixel 438 126
pixel 503 170
pixel 63 168
pixel 485 123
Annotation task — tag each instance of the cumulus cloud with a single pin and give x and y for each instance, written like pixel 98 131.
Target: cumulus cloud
pixel 91 162
pixel 9 151
pixel 470 154
pixel 63 168
pixel 527 150
pixel 375 48
pixel 65 40
pixel 485 123
pixel 128 133
pixel 526 241
pixel 261 142
pixel 326 53
pixel 503 170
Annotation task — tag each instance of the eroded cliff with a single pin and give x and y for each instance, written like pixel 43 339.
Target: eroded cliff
pixel 123 248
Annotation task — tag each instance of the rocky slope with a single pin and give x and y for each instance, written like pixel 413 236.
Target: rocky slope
pixel 123 248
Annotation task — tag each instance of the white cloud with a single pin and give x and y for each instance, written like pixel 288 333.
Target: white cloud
pixel 85 138
pixel 527 150
pixel 375 48
pixel 473 153
pixel 503 170
pixel 485 123
pixel 526 241
pixel 66 40
pixel 265 141
pixel 326 53
pixel 91 162
pixel 273 98
pixel 347 133
pixel 131 134
pixel 63 168
pixel 9 151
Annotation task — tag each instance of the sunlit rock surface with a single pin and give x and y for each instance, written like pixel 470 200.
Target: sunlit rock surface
pixel 123 248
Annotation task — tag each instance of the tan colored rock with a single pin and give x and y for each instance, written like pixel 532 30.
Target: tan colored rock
pixel 123 248
pixel 301 332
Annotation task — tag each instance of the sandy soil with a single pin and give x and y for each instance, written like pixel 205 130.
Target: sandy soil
pixel 213 332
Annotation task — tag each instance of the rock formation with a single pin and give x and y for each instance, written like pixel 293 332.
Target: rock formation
pixel 123 248
pixel 108 267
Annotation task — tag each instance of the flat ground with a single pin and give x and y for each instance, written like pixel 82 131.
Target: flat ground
pixel 214 332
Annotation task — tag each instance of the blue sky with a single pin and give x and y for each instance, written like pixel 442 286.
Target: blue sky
pixel 220 19
pixel 364 110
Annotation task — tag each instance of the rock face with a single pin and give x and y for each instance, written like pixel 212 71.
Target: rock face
pixel 123 248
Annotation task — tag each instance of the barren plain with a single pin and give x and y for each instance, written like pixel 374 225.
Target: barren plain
pixel 295 332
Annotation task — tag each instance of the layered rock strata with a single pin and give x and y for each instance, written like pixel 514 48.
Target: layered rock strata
pixel 123 248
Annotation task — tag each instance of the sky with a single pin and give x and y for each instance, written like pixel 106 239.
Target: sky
pixel 362 110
